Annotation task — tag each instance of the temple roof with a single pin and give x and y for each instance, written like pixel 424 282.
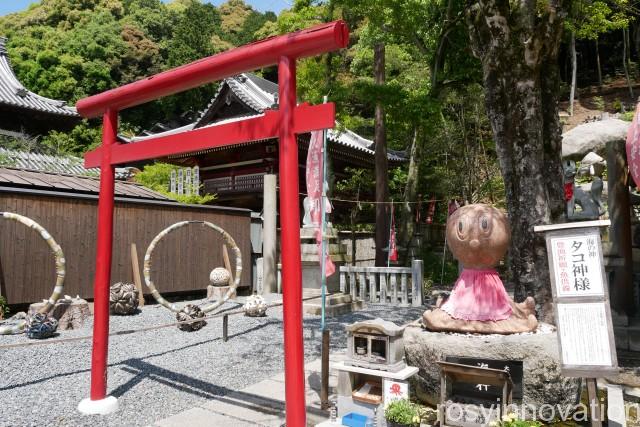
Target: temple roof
pixel 51 181
pixel 257 95
pixel 14 94
pixel 69 165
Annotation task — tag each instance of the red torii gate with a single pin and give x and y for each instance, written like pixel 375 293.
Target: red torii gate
pixel 283 123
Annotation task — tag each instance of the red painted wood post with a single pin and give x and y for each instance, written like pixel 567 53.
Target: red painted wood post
pixel 103 260
pixel 295 407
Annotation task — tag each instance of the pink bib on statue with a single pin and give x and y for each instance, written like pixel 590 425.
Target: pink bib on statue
pixel 478 295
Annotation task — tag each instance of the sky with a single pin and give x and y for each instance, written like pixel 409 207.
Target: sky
pixel 10 6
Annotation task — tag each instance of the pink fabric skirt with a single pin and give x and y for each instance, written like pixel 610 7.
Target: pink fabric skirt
pixel 478 295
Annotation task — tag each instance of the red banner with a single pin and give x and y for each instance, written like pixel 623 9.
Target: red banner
pixel 314 180
pixel 393 248
pixel 633 147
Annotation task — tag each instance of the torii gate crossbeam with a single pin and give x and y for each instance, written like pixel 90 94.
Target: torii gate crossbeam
pixel 284 123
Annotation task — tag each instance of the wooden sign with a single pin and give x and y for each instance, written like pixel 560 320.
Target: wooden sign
pixel 196 180
pixel 487 391
pixel 172 188
pixel 187 181
pixel 581 299
pixel 180 182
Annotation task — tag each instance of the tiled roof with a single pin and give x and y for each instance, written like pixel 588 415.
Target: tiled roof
pixel 13 93
pixel 44 163
pixel 71 183
pixel 260 94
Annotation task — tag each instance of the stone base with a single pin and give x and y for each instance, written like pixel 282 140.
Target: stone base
pixel 218 292
pixel 104 406
pixel 70 314
pixel 336 304
pixel 542 380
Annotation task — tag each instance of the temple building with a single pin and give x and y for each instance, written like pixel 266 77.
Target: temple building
pixel 235 173
pixel 24 113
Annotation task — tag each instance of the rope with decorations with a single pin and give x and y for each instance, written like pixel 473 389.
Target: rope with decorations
pixel 40 325
pixel 191 311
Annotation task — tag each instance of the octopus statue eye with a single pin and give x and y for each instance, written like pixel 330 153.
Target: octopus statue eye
pixel 484 224
pixel 461 229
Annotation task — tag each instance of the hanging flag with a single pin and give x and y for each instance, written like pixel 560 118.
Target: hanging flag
pixel 393 249
pixel 431 210
pixel 315 183
pixel 633 147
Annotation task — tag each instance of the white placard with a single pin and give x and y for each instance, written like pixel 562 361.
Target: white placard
pixel 584 334
pixel 180 182
pixel 173 181
pixel 394 390
pixel 196 180
pixel 187 182
pixel 576 265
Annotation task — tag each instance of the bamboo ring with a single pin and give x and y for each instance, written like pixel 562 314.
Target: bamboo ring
pixel 228 241
pixel 60 270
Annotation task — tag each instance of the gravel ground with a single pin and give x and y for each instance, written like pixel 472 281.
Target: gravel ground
pixel 158 373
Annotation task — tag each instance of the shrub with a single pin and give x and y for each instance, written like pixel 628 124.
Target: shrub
pixel 402 411
pixel 4 307
pixel 598 102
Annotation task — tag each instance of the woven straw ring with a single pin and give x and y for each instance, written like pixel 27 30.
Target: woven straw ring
pixel 228 241
pixel 60 269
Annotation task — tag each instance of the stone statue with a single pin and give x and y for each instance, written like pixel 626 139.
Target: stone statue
pixel 589 200
pixel 478 236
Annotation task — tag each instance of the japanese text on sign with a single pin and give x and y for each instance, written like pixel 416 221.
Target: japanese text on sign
pixel 584 334
pixel 577 267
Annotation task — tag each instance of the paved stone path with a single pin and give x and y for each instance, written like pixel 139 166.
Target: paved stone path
pixel 259 405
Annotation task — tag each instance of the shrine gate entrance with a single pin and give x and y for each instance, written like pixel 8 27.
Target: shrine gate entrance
pixel 284 123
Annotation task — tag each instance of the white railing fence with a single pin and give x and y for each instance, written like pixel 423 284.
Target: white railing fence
pixel 401 286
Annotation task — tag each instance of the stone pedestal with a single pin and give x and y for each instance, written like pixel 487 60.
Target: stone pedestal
pixel 351 378
pixel 70 313
pixel 218 292
pixel 542 381
pixel 311 274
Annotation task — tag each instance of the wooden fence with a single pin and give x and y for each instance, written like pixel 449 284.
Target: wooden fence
pixel 400 286
pixel 181 262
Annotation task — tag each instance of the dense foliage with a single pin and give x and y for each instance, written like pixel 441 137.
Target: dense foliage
pixel 158 176
pixel 433 97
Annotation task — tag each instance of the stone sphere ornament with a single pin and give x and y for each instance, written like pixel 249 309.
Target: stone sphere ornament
pixel 41 326
pixel 478 236
pixel 123 298
pixel 220 276
pixel 255 306
pixel 190 312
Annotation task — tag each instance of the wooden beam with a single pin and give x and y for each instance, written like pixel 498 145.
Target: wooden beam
pixel 135 270
pixel 306 119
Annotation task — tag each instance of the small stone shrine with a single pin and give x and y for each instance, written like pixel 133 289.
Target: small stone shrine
pixel 375 372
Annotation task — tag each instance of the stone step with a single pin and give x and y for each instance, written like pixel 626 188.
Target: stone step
pixel 315 309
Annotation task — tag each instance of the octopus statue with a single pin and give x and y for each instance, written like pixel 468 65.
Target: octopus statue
pixel 478 236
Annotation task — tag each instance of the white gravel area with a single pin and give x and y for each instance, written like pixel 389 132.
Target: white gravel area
pixel 159 373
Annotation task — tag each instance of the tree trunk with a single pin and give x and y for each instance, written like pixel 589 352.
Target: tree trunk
pixel 574 72
pixel 599 68
pixel 407 222
pixel 382 166
pixel 625 59
pixel 521 82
